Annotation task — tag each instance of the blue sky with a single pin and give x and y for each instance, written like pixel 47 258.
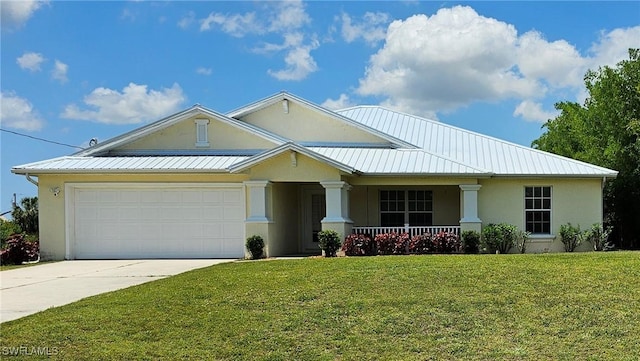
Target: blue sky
pixel 72 71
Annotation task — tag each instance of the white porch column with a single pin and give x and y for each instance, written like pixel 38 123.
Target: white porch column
pixel 259 192
pixel 337 201
pixel 470 220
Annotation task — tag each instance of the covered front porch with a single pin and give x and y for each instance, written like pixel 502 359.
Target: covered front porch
pixel 289 215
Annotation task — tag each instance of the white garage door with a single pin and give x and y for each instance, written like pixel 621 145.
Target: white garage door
pixel 158 222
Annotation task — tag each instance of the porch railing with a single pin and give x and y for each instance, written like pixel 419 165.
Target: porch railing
pixel 411 230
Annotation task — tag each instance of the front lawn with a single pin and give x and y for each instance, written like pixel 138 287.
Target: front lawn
pixel 506 307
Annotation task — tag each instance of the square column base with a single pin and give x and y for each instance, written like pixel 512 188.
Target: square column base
pixel 470 226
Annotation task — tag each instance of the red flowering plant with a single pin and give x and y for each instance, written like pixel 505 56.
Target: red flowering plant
pixel 358 245
pixel 446 242
pixel 421 244
pixel 392 243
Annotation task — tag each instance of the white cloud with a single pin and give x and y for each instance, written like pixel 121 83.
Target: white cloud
pixel 30 61
pixel 187 20
pixel 284 18
pixel 341 103
pixel 533 112
pixel 14 14
pixel 288 15
pixel 127 14
pixel 445 61
pixel 613 46
pixel 135 104
pixel 236 25
pixel 299 63
pixel 18 113
pixel 203 71
pixel 558 62
pixel 59 71
pixel 371 29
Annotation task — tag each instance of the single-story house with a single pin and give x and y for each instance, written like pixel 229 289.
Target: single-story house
pixel 197 183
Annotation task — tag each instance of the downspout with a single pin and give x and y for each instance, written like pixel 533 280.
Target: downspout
pixel 31 179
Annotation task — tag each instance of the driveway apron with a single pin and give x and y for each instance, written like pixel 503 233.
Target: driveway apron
pixel 25 291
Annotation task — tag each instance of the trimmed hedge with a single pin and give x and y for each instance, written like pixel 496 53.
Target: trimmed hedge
pixel 401 244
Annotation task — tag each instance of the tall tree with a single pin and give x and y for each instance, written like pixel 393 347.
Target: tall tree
pixel 606 131
pixel 26 215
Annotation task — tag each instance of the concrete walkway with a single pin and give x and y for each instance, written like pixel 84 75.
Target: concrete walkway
pixel 28 290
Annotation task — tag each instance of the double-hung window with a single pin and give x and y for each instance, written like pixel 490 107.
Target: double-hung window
pixel 400 207
pixel 537 209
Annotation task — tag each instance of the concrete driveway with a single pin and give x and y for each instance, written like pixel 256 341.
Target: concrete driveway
pixel 28 290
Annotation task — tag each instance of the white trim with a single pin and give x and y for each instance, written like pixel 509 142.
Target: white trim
pixel 70 201
pixel 524 212
pixel 202 132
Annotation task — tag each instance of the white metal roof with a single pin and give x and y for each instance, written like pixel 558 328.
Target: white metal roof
pixel 398 162
pixel 426 147
pixel 470 148
pixel 131 164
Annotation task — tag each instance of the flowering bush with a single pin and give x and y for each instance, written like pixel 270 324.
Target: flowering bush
pixel 421 244
pixel 358 245
pixel 446 242
pixel 392 243
pixel 19 250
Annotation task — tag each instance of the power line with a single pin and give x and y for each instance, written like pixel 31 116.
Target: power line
pixel 41 139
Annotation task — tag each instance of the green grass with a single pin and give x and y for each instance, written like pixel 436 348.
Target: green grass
pixel 506 307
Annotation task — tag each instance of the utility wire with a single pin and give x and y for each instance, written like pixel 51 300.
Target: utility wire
pixel 41 139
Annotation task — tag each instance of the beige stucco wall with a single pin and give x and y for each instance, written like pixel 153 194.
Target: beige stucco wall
pixel 281 169
pixel 578 201
pixel 365 204
pixel 52 209
pixel 183 136
pixel 304 125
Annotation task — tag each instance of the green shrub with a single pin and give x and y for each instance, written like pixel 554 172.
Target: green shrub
pixel 571 236
pixel 470 242
pixel 598 236
pixel 7 229
pixel 329 242
pixel 499 238
pixel 255 245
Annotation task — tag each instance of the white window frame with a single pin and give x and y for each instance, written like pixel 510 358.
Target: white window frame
pixel 541 198
pixel 202 132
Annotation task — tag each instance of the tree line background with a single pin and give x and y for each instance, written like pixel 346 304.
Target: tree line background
pixel 605 131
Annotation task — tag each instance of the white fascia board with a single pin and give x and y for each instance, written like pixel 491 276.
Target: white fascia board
pixel 248 163
pixel 138 132
pixel 176 118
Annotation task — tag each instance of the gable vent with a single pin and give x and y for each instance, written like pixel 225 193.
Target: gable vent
pixel 202 132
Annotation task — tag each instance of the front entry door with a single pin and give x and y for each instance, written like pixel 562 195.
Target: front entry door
pixel 315 209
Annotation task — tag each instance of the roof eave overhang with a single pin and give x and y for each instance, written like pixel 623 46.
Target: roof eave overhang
pixel 253 161
pixel 114 171
pixel 571 176
pixel 434 175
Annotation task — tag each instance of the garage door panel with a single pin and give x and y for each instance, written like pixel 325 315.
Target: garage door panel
pixel 158 222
